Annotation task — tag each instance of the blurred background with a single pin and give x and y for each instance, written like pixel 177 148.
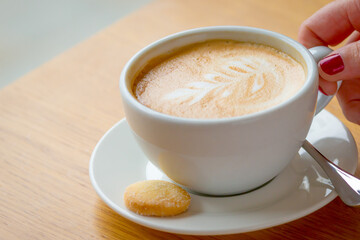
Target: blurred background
pixel 33 32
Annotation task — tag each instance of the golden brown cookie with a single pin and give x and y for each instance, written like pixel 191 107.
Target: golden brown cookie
pixel 156 198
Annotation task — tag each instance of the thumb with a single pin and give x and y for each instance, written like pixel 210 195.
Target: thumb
pixel 342 64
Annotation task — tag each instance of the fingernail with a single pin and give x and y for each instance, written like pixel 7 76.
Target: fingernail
pixel 322 91
pixel 332 64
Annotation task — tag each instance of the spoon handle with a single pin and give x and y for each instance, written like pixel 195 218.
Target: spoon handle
pixel 346 185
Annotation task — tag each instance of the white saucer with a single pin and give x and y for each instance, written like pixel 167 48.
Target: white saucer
pixel 300 189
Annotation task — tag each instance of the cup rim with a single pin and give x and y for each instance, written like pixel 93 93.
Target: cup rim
pixel 311 76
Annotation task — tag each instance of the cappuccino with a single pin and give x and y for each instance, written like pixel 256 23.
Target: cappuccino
pixel 218 79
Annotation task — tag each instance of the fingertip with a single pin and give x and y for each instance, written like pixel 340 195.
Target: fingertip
pixel 302 35
pixel 307 37
pixel 326 77
pixel 332 64
pixel 342 64
pixel 326 87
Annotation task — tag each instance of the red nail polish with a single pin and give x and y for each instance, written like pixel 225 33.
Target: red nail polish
pixel 332 64
pixel 322 91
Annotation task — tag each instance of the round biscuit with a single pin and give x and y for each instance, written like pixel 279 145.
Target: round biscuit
pixel 156 198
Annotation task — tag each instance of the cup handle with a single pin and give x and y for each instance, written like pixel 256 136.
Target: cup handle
pixel 322 100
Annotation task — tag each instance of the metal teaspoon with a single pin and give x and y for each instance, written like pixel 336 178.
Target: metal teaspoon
pixel 346 185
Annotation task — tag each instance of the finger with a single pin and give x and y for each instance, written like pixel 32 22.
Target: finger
pixel 331 24
pixel 326 87
pixel 342 64
pixel 349 99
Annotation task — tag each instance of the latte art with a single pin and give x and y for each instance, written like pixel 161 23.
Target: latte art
pixel 249 75
pixel 218 79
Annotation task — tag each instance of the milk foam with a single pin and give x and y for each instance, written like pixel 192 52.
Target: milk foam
pixel 218 79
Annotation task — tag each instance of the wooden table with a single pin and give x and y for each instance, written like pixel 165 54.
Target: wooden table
pixel 51 119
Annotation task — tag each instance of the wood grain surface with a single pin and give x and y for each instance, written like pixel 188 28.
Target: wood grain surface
pixel 51 119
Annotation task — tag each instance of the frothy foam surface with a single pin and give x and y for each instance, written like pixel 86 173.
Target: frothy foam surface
pixel 218 79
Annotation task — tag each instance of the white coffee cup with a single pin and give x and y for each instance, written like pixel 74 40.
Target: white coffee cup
pixel 230 155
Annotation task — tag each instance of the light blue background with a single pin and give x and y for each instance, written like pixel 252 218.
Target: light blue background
pixel 34 31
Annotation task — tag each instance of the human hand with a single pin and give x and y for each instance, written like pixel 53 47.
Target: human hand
pixel 330 26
